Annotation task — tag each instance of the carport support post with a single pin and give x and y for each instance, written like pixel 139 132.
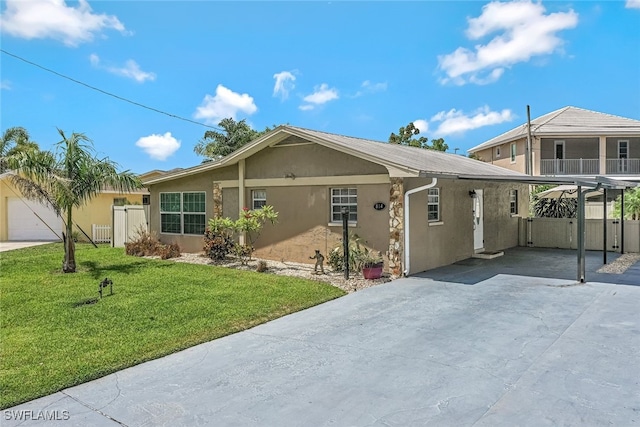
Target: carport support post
pixel 581 254
pixel 345 240
pixel 604 228
pixel 621 222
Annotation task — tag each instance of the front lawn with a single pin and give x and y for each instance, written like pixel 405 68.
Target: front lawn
pixel 53 336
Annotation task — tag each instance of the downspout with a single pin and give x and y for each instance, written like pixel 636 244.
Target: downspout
pixel 407 246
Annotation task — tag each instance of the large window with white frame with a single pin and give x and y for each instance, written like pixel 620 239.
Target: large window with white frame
pixel 433 205
pixel 258 199
pixel 344 198
pixel 513 202
pixel 183 213
pixel 513 152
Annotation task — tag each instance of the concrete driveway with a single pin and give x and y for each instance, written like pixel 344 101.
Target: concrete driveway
pixel 507 351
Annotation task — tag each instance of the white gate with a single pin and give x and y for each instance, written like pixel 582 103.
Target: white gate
pixel 127 220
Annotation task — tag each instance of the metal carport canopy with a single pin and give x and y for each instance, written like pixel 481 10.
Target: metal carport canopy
pixel 592 182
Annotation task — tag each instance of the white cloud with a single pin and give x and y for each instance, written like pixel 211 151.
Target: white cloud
pixel 94 59
pixel 321 95
pixel 524 31
pixel 457 122
pixel 225 103
pixel 5 85
pixel 369 87
pixel 159 147
pixel 284 84
pixel 632 4
pixel 41 19
pixel 131 69
pixel 422 125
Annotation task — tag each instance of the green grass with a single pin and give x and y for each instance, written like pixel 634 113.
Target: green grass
pixel 50 339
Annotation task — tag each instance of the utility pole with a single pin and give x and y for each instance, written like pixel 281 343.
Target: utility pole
pixel 528 156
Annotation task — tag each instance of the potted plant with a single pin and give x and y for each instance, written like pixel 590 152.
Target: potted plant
pixel 372 265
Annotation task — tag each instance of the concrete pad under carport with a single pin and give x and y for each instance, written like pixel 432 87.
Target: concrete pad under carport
pixel 535 262
pixel 511 350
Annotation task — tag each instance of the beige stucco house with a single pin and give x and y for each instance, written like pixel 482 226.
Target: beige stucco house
pixel 569 141
pixel 420 208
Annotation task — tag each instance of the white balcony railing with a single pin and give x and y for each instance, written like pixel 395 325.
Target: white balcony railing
pixel 623 166
pixel 570 167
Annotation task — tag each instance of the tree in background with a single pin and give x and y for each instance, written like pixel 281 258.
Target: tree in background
pixel 406 136
pixel 631 204
pixel 216 144
pixel 67 178
pixel 13 141
pixel 562 207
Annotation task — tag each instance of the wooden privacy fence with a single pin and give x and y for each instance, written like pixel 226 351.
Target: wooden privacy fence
pixel 562 233
pixel 127 220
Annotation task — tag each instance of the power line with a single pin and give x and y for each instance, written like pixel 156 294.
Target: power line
pixel 107 93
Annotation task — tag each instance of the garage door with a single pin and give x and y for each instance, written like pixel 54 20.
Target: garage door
pixel 25 225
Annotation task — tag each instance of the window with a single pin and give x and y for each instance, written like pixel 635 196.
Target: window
pixel 433 204
pixel 513 152
pixel 182 213
pixel 344 198
pixel 513 202
pixel 258 198
pixel 119 201
pixel 497 151
pixel 623 149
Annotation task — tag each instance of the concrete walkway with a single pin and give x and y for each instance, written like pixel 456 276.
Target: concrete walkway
pixel 10 246
pixel 507 351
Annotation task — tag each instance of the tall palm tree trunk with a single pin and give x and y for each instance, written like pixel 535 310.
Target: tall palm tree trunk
pixel 69 263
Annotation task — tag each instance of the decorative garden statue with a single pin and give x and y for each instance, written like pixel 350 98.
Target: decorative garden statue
pixel 319 262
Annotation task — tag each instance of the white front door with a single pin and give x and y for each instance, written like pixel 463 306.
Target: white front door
pixel 478 222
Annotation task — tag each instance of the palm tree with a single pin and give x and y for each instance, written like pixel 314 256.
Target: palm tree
pixel 68 178
pixel 13 141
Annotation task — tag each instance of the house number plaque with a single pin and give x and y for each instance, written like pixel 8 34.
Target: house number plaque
pixel 379 206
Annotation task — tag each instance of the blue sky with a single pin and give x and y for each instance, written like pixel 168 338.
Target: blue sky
pixel 463 71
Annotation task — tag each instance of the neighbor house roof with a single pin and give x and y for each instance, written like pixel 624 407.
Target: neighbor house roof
pixel 398 159
pixel 568 121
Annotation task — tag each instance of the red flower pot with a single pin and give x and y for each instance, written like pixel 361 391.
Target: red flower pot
pixel 372 272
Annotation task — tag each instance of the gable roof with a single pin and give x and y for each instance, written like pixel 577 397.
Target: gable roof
pixel 398 159
pixel 568 121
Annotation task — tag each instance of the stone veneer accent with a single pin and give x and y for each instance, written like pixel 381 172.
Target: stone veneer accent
pixel 217 200
pixel 396 227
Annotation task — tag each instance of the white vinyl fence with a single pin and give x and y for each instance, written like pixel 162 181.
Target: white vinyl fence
pixel 101 233
pixel 127 220
pixel 562 233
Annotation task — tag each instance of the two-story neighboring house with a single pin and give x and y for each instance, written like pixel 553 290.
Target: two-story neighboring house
pixel 569 141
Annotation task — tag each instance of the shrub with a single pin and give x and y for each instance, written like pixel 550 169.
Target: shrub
pixel 356 252
pixel 216 245
pixel 261 267
pixel 220 237
pixel 146 243
pixel 172 250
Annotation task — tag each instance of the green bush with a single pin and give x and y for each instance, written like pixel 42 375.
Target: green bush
pixel 220 237
pixel 356 253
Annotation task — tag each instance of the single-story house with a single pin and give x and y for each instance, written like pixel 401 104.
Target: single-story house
pixel 420 208
pixel 22 219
